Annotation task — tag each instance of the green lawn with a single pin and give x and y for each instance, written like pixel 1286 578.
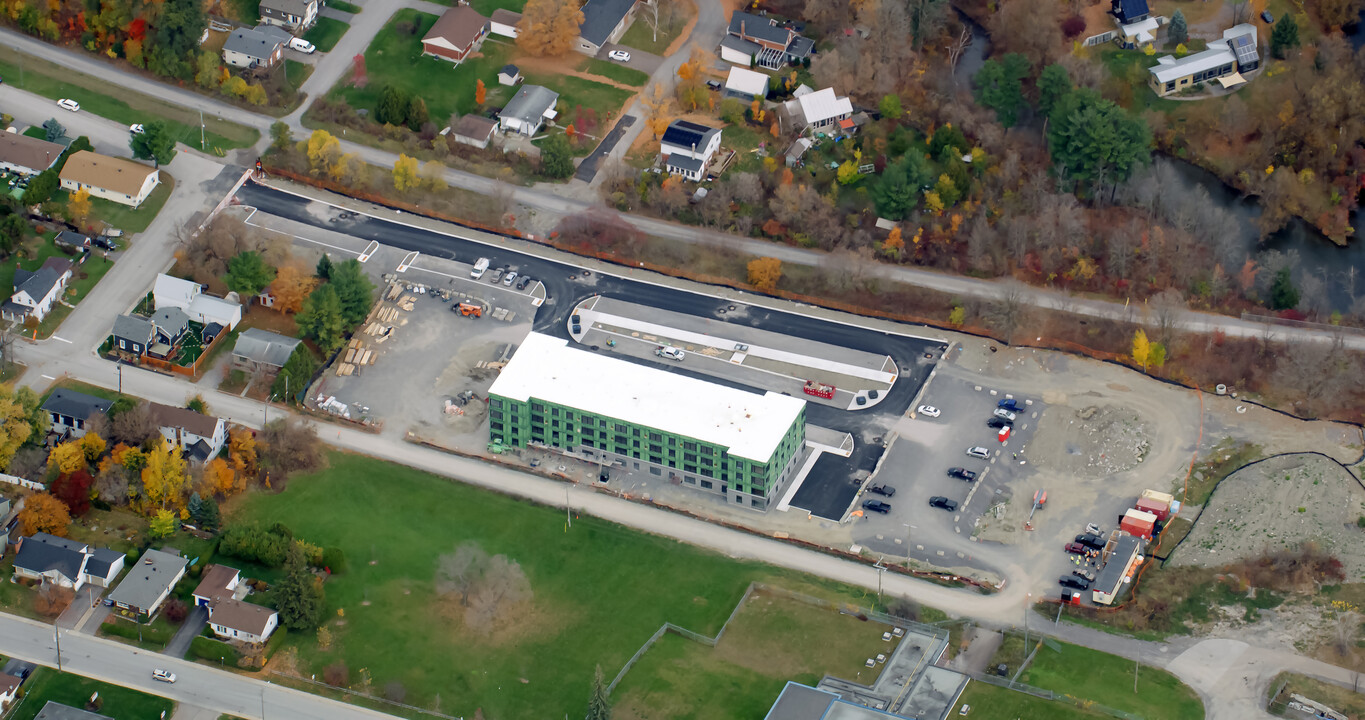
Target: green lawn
pixel 343 6
pixel 46 684
pixel 575 92
pixel 83 277
pixel 990 702
pixel 36 131
pixel 486 7
pixel 247 11
pixel 97 96
pixel 1108 680
pixel 641 36
pixel 133 219
pixel 600 590
pixel 296 73
pixel 616 71
pixel 326 33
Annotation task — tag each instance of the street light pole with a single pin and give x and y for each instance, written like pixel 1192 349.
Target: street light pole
pixel 881 570
pixel 908 528
pixel 201 130
pixel 57 637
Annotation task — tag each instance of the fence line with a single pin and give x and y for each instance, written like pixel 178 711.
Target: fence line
pixel 22 482
pixel 1304 324
pixel 367 696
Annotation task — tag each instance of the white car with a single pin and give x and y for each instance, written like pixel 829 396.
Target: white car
pixel 163 676
pixel 509 278
pixel 979 452
pixel 302 46
pixel 69 104
pixel 671 353
pixel 1004 414
pixel 929 411
pixel 136 129
pixel 619 55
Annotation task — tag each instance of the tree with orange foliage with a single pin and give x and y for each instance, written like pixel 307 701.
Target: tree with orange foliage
pixel 44 513
pixel 571 132
pixel 219 478
pixel 787 176
pixel 756 110
pixel 291 287
pixel 764 273
pixel 691 70
pixel 656 110
pixel 894 244
pixel 772 130
pixel 480 92
pixel 548 28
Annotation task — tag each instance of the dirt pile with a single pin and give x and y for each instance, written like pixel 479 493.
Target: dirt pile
pixel 1094 440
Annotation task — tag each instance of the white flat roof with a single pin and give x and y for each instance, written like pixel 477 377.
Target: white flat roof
pixel 1140 28
pixel 823 104
pixel 747 81
pixel 548 369
pixel 1217 55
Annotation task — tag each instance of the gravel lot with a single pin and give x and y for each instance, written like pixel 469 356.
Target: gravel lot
pixel 1278 503
pixel 1091 440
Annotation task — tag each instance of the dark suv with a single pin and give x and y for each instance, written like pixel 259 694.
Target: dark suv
pixel 939 501
pixel 1011 404
pixel 962 474
pixel 883 490
pixel 1074 582
pixel 998 423
pixel 876 506
pixel 1094 542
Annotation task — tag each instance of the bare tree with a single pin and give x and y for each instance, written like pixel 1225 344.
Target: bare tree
pixel 29 462
pixel 458 573
pixel 134 426
pixel 291 445
pixel 504 588
pixel 1345 630
pixel 1241 11
pixel 1167 306
pixel 1008 312
pixel 956 48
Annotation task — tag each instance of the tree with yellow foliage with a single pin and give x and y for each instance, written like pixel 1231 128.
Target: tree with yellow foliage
pixel 764 273
pixel 405 174
pixel 93 446
pixel 67 457
pixel 322 149
pixel 291 286
pixel 78 207
pixel 655 104
pixel 1142 349
pixel 434 175
pixel 242 451
pixel 548 28
pixel 219 478
pixel 894 245
pixel 756 110
pixel 164 477
pixel 44 513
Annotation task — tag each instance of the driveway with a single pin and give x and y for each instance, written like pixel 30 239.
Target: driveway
pixel 194 623
pixel 639 59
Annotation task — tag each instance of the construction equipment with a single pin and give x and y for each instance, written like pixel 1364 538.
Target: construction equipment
pixel 469 310
pixel 820 390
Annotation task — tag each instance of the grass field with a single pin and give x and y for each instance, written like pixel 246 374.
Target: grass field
pixel 1334 696
pixel 486 7
pixel 576 92
pixel 990 702
pixel 616 71
pixel 343 6
pixel 641 36
pixel 600 590
pixel 77 287
pixel 124 106
pixel 133 219
pixel 247 11
pixel 771 640
pixel 296 73
pixel 326 33
pixel 46 684
pixel 1108 679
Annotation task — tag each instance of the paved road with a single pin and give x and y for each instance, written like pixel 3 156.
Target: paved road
pixel 196 685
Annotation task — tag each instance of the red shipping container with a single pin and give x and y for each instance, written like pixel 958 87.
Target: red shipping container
pixel 1139 523
pixel 1158 508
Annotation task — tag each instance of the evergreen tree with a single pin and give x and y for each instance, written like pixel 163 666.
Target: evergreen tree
pixel 321 318
pixel 248 274
pixel 295 374
pixel 1095 141
pixel 209 518
pixel 599 708
pixel 556 160
pixel 355 291
pixel 1283 294
pixel 1178 31
pixel 299 597
pixel 1284 36
pixel 901 184
pixel 324 269
pixel 195 506
pixel 1000 87
pixel 393 106
pixel 1053 85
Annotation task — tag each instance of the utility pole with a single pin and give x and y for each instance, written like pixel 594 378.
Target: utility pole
pixel 568 517
pixel 201 130
pixel 120 377
pixel 57 637
pixel 881 570
pixel 1136 665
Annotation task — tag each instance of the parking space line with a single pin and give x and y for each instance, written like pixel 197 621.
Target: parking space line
pixel 407 261
pixel 300 237
pixel 369 250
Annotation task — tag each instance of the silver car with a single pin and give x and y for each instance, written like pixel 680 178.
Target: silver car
pixel 979 452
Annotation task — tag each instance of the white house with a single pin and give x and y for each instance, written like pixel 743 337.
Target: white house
pixel 9 689
pixel 115 179
pixel 102 567
pixel 261 46
pixel 528 110
pixel 221 592
pixel 746 84
pixel 200 437
pixel 819 111
pixel 189 296
pixel 35 292
pixel 604 21
pixel 296 15
pixel 149 582
pixel 504 22
pixel 27 155
pixel 50 559
pixel 688 147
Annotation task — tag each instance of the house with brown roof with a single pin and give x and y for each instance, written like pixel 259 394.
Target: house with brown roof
pixel 116 179
pixel 221 592
pixel 26 155
pixel 475 130
pixel 459 32
pixel 200 437
pixel 9 690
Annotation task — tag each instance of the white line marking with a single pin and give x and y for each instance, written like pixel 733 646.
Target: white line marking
pixel 49 377
pixel 407 260
pixel 68 342
pixel 370 249
pixel 300 237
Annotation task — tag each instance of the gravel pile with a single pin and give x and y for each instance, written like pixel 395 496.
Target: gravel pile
pixel 1097 440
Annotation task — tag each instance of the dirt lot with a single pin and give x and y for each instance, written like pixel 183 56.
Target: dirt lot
pixel 1093 440
pixel 1279 503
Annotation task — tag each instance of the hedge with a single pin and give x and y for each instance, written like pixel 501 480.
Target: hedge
pixel 206 649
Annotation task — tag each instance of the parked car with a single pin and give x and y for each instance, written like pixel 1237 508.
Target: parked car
pixel 876 506
pixel 1085 574
pixel 136 129
pixel 1267 18
pixel 113 233
pixel 962 474
pixel 883 490
pixel 1094 542
pixel 523 282
pixel 939 501
pixel 509 278
pixel 69 104
pixel 1076 548
pixel 979 452
pixel 495 275
pixel 1009 404
pixel 714 85
pixel 998 423
pixel 104 243
pixel 163 675
pixel 929 411
pixel 302 46
pixel 1004 414
pixel 619 55
pixel 1073 582
pixel 670 353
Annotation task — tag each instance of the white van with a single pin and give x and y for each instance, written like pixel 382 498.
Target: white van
pixel 479 268
pixel 302 45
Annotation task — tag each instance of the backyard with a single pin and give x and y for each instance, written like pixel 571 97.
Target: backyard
pixel 395 523
pixel 326 33
pixel 990 702
pixel 84 277
pixel 46 684
pixel 131 219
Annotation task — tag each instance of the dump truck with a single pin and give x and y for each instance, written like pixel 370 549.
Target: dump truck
pixel 480 266
pixel 469 310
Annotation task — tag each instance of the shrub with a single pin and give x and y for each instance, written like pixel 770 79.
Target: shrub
pixel 337 675
pixel 335 561
pixel 1073 26
pixel 176 610
pixel 210 649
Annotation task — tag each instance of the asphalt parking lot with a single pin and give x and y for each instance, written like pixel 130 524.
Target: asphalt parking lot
pixel 917 467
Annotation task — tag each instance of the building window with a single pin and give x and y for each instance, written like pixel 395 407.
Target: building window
pixel 655 471
pixel 705 484
pixel 690 480
pixel 122 344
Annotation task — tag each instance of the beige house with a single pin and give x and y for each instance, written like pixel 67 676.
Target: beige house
pixel 115 179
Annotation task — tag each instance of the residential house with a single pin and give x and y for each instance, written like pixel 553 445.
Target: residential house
pixel 200 437
pixel 509 75
pixel 54 710
pixel 69 412
pixel 26 155
pixel 148 583
pixel 72 241
pixel 36 292
pixel 9 519
pixel 1223 62
pixel 51 559
pixel 459 32
pixel 765 41
pixel 746 85
pixel 474 130
pixel 797 151
pixel 171 324
pixel 688 147
pixel 221 592
pixel 528 110
pixel 1129 11
pixel 819 111
pixel 133 335
pixel 103 566
pixel 604 21
pixel 170 291
pixel 296 15
pixel 9 690
pixel 504 22
pixel 115 179
pixel 262 351
pixel 254 47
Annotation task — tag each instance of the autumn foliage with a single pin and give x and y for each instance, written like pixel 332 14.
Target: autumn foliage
pixel 548 28
pixel 291 285
pixel 764 273
pixel 480 92
pixel 44 513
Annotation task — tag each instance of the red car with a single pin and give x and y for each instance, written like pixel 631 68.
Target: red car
pixel 1077 548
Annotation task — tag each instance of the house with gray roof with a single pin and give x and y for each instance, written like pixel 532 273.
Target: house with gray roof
pixel 36 291
pixel 254 47
pixel 528 110
pixel 262 351
pixel 103 566
pixel 133 335
pixel 51 559
pixel 767 42
pixel 604 21
pixel 54 710
pixel 688 147
pixel 69 412
pixel 199 436
pixel 171 324
pixel 148 583
pixel 296 15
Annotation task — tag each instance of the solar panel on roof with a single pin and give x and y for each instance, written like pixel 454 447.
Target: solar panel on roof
pixel 1245 47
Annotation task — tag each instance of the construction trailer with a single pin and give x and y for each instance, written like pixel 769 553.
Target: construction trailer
pixel 1121 565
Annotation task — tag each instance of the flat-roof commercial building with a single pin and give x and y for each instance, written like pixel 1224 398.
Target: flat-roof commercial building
pixel 730 442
